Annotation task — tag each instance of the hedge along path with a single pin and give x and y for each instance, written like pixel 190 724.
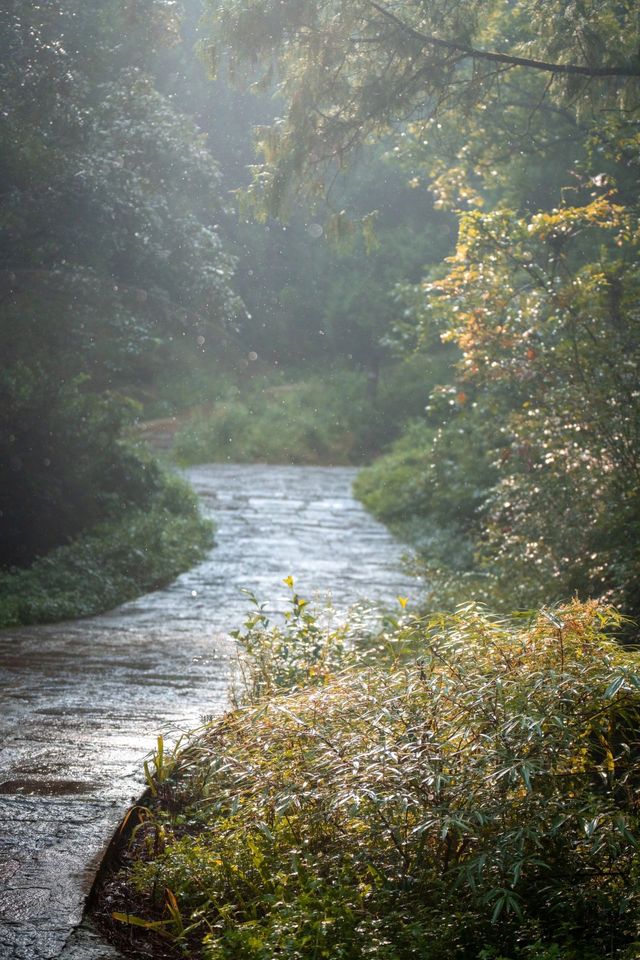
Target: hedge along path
pixel 82 702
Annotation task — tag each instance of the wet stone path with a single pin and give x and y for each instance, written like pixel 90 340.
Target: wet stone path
pixel 81 703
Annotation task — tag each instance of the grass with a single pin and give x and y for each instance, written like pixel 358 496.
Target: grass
pixel 280 423
pixel 139 550
pixel 306 417
pixel 460 787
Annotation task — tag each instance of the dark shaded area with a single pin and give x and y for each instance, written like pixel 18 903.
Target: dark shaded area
pixel 108 252
pixel 63 467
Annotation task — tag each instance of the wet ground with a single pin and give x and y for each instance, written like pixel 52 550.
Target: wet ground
pixel 82 702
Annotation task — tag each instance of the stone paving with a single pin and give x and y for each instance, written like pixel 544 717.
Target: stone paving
pixel 82 702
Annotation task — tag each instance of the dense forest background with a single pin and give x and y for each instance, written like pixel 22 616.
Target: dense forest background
pixel 433 257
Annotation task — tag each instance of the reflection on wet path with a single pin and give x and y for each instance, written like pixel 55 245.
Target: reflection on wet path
pixel 82 702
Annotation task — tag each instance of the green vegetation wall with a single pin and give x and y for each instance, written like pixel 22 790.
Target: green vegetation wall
pixel 109 253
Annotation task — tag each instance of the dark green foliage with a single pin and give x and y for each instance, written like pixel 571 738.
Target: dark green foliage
pixel 307 302
pixel 137 550
pixel 109 252
pixel 63 464
pixel 109 246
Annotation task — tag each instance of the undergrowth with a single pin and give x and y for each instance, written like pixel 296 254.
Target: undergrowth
pixel 282 423
pixel 330 418
pixel 429 489
pixel 459 787
pixel 140 549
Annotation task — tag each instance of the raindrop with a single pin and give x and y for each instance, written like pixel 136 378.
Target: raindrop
pixel 315 230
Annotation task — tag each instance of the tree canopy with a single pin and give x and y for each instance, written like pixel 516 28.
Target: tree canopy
pixel 352 70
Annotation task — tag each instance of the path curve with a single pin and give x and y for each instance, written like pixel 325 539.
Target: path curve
pixel 82 702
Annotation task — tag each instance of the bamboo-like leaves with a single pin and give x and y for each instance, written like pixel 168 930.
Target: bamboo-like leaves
pixel 485 773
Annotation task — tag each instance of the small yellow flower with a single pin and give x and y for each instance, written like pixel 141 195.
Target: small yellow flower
pixel 403 601
pixel 288 581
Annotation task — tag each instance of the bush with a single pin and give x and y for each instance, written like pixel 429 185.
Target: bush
pixel 430 489
pixel 466 788
pixel 112 562
pixel 443 473
pixel 507 523
pixel 64 466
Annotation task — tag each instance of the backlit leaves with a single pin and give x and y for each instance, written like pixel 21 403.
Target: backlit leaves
pixel 489 773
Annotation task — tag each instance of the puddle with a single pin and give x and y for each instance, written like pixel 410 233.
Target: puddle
pixel 47 788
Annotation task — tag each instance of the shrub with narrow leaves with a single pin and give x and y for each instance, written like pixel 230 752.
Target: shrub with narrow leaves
pixel 464 787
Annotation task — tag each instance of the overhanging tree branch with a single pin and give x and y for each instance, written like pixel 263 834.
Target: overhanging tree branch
pixel 571 69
